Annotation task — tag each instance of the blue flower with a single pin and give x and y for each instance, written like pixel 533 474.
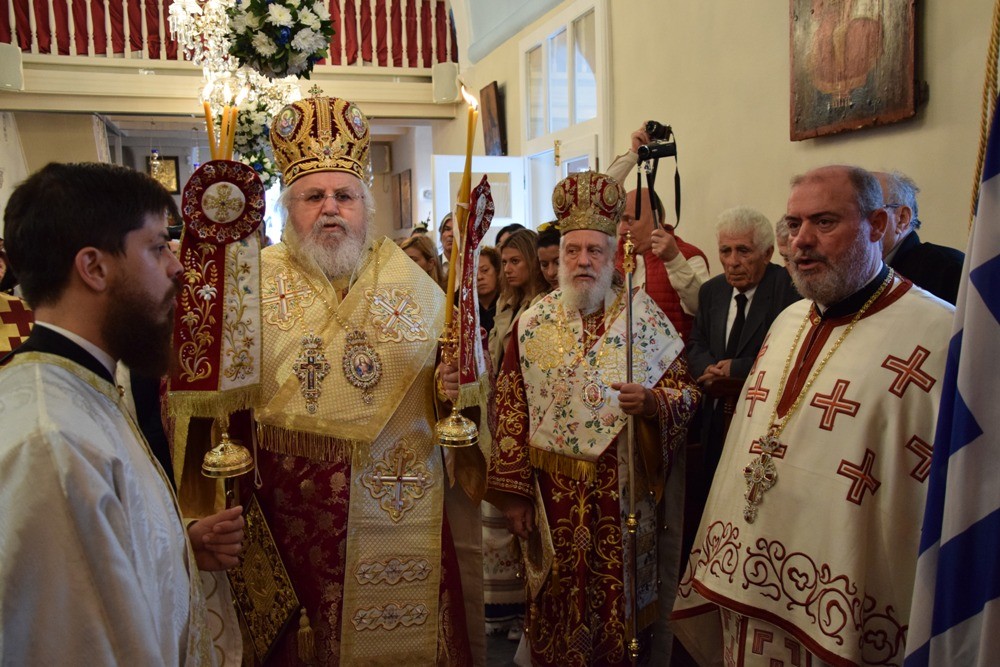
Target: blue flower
pixel 258 166
pixel 284 36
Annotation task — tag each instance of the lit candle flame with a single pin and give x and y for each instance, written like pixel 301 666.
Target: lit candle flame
pixel 242 95
pixel 469 99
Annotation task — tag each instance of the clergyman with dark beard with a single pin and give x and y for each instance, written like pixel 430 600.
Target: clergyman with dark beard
pixel 97 566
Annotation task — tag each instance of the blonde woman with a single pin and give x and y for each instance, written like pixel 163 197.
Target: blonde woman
pixel 521 284
pixel 422 251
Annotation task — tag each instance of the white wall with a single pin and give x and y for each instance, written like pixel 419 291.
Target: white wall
pixel 718 72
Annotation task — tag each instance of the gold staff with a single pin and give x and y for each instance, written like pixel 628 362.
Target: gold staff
pixel 631 523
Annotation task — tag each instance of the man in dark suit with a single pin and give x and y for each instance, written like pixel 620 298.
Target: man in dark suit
pixel 936 268
pixel 735 311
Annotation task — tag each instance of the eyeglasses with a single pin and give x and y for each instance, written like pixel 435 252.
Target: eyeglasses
pixel 892 206
pixel 315 198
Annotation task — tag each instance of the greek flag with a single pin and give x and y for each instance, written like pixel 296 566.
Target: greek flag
pixel 955 618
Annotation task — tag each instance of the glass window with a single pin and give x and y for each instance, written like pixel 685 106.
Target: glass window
pixel 543 179
pixel 584 63
pixel 536 94
pixel 558 81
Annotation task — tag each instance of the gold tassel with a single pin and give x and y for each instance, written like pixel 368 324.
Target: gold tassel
pixel 474 394
pixel 550 462
pixel 218 404
pixel 555 587
pixel 309 445
pixel 306 639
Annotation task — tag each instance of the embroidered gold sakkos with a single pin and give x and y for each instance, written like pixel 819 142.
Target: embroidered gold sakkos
pixel 397 314
pixel 389 320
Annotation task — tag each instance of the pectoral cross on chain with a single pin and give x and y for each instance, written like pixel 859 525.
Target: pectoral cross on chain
pixel 311 367
pixel 760 475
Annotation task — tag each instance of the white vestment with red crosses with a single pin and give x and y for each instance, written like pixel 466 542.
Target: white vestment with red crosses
pixel 825 572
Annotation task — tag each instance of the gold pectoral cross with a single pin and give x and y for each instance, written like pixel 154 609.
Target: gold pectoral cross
pixel 760 475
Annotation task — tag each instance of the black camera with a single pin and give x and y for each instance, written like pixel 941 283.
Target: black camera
pixel 656 149
pixel 657 131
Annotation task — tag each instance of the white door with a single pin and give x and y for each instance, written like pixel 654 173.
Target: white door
pixel 506 177
pixel 543 173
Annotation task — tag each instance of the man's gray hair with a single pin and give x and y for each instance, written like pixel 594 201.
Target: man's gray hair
pixel 781 232
pixel 867 189
pixel 745 220
pixel 285 200
pixel 900 189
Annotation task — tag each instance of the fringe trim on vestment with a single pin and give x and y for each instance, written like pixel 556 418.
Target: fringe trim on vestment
pixel 218 404
pixel 474 394
pixel 184 406
pixel 309 445
pixel 550 462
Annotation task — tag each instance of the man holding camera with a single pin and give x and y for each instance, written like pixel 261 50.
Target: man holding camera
pixel 669 269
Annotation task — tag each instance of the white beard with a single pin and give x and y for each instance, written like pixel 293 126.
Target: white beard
pixel 585 299
pixel 335 258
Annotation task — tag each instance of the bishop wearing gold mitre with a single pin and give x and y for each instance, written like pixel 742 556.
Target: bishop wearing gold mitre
pixel 351 481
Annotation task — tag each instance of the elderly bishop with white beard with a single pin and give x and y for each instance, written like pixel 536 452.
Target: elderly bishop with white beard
pixel 352 482
pixel 559 467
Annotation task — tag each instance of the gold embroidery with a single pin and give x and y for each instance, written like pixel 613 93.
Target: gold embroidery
pixel 223 202
pixel 390 616
pixel 238 329
pixel 397 480
pixel 193 353
pixel 284 298
pixel 546 347
pixel 392 571
pixel 396 314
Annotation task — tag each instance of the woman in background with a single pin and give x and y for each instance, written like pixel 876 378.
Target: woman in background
pixel 422 251
pixel 521 284
pixel 488 285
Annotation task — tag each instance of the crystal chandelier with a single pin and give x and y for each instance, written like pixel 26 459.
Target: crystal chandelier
pixel 202 31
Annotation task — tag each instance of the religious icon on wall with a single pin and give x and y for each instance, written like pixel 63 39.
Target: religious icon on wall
pixel 165 171
pixel 852 65
pixel 494 123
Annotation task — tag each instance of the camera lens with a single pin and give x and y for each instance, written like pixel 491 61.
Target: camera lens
pixel 656 131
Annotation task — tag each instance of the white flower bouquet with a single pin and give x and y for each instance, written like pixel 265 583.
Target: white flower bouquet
pixel 251 143
pixel 280 37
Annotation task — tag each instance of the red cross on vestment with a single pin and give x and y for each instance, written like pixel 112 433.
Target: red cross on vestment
pixel 756 393
pixel 763 349
pixel 16 319
pixel 923 451
pixel 834 403
pixel 778 453
pixel 861 476
pixel 761 637
pixel 908 372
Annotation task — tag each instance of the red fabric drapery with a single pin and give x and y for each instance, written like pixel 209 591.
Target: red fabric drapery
pixel 156 11
pixel 368 39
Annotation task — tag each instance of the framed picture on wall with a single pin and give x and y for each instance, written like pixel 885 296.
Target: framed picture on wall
pixel 166 171
pixel 405 201
pixel 852 65
pixel 494 123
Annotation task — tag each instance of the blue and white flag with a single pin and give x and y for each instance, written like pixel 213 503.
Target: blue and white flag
pixel 955 617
